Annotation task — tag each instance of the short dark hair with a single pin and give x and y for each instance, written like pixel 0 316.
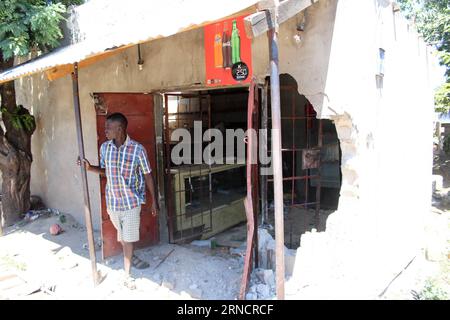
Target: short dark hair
pixel 118 117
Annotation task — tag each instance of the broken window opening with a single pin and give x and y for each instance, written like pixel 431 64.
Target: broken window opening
pixel 311 166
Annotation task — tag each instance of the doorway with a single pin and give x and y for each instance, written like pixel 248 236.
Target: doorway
pixel 204 199
pixel 138 108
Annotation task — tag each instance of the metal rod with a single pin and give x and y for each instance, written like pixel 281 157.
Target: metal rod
pixel 170 206
pixel 307 122
pixel 297 178
pixel 208 100
pixel 248 202
pixel 318 185
pixel 164 259
pixel 87 205
pixel 263 143
pixel 276 153
pixel 293 152
pixel 255 173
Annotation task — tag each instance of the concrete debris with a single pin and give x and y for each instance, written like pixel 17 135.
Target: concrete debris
pixel 193 286
pixel 240 251
pixel 157 278
pixel 289 261
pixel 196 293
pixel 266 251
pixel 251 296
pixel 267 277
pixel 168 284
pixel 445 199
pixel 263 291
pixel 437 182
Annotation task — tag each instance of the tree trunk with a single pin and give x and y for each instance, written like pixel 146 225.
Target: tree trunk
pixel 15 155
pixel 15 186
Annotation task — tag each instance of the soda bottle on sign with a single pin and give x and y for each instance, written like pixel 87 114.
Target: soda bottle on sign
pixel 218 58
pixel 226 47
pixel 235 44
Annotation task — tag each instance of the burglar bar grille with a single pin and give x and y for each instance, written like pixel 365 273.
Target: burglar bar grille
pixel 188 185
pixel 297 125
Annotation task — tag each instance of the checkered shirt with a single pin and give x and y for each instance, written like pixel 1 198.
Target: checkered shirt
pixel 125 168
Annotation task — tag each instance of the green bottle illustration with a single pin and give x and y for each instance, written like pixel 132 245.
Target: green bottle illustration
pixel 235 44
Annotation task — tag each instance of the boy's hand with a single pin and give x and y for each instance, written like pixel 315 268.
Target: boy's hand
pixel 86 163
pixel 154 209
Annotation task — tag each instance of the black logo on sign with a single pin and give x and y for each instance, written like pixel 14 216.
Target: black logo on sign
pixel 239 71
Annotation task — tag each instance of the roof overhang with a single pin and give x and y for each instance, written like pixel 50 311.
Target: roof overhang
pixel 122 26
pixel 140 21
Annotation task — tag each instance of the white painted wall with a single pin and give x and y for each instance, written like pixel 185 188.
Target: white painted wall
pixel 386 140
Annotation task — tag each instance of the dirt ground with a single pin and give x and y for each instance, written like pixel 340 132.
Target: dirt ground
pixel 37 265
pixel 428 276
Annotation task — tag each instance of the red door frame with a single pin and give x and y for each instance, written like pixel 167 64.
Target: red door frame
pixel 139 110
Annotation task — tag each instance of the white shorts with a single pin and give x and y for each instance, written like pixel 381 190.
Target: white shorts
pixel 127 224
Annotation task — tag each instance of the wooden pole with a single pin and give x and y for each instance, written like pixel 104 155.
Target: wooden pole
pixel 263 146
pixel 87 205
pixel 276 152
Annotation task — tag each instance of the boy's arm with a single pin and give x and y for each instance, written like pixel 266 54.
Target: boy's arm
pixel 89 167
pixel 149 181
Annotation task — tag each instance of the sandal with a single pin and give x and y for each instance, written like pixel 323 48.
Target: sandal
pixel 138 263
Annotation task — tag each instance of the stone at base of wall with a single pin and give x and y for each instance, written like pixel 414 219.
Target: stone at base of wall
pixel 266 253
pixel 437 182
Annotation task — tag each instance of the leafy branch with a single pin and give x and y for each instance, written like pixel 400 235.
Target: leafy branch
pixel 19 119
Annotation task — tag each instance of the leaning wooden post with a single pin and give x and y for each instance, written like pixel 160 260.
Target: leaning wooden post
pixel 87 205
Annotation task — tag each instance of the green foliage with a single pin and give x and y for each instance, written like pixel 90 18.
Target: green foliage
pixel 446 145
pixel 442 98
pixel 19 119
pixel 431 291
pixel 432 18
pixel 29 24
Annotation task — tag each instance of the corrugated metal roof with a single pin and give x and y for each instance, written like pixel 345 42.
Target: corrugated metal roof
pixel 107 25
pixel 62 56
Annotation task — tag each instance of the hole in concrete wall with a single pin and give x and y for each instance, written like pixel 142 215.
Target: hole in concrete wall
pixel 311 187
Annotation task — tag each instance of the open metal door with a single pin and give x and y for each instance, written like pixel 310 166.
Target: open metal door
pixel 252 198
pixel 138 108
pixel 188 186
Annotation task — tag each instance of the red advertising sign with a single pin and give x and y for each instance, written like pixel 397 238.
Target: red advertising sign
pixel 228 54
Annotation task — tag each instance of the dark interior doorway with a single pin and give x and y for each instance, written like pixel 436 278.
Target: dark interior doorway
pixel 204 200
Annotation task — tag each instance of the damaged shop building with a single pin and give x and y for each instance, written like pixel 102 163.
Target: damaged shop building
pixel 356 123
